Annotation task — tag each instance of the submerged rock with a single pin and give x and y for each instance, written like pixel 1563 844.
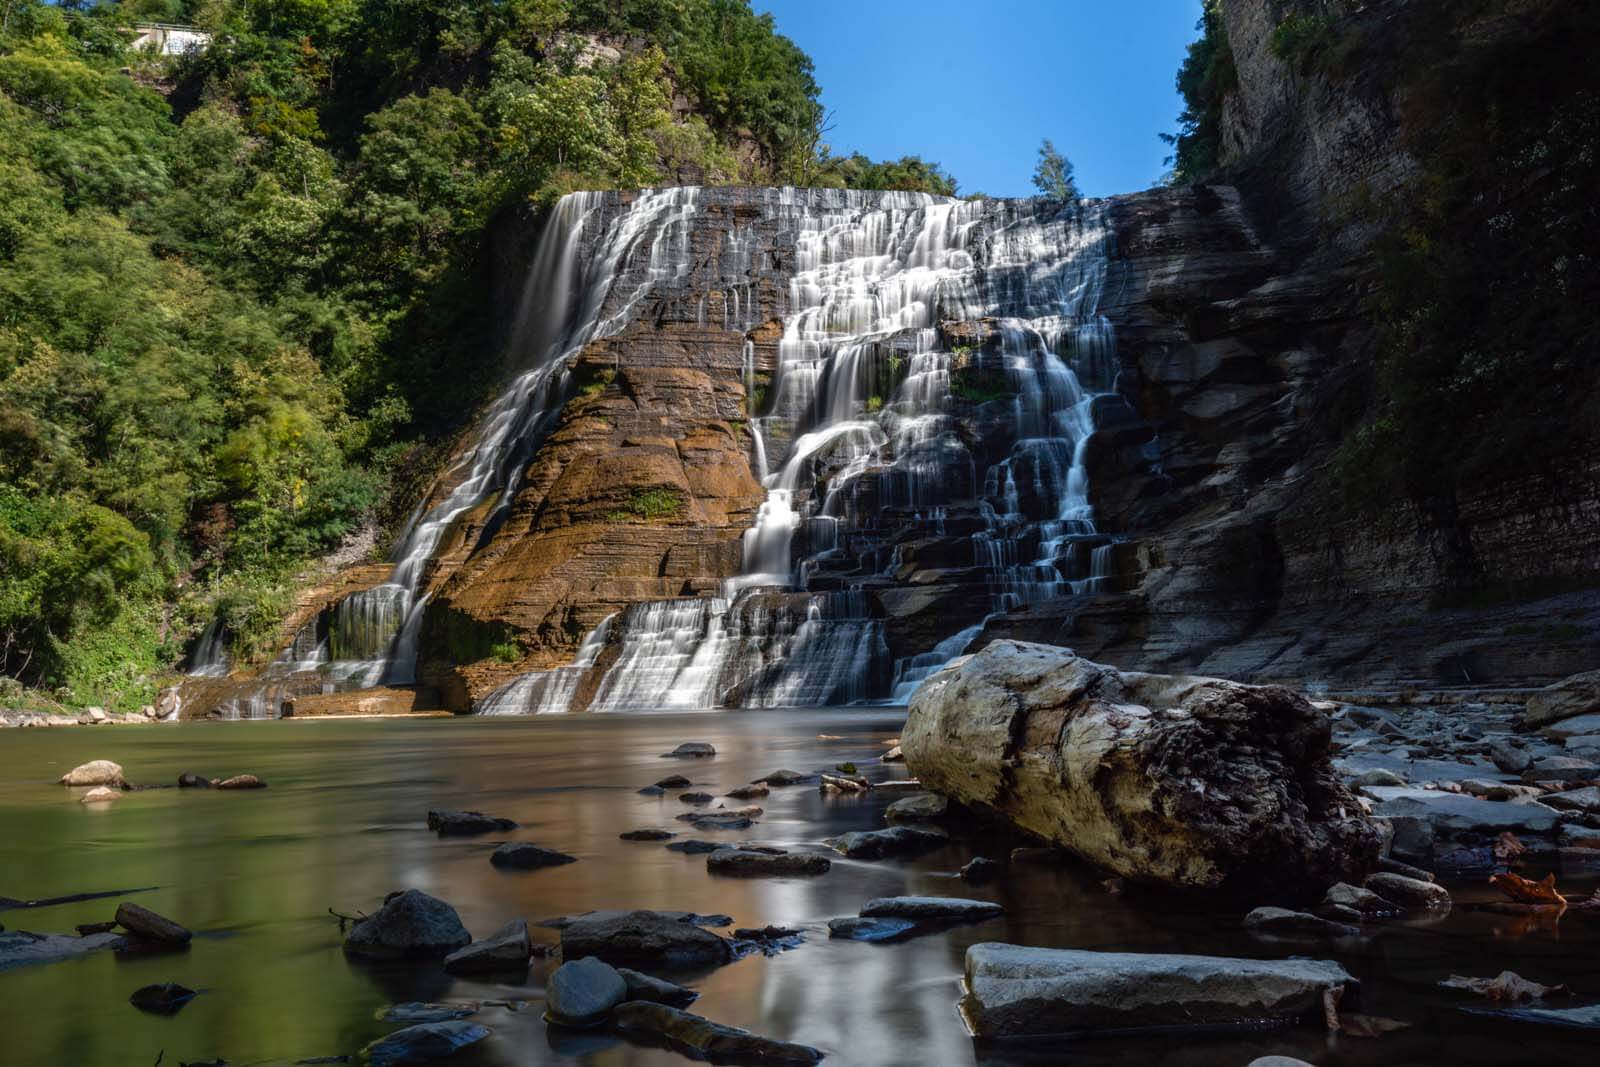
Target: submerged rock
pixel 931 908
pixel 749 863
pixel 507 949
pixel 785 777
pixel 1408 892
pixel 240 781
pixel 696 798
pixel 582 992
pixel 856 928
pixel 642 986
pixel 1280 922
pixel 643 938
pixel 100 794
pixel 149 926
pixel 895 841
pixel 449 823
pixel 673 781
pixel 700 1038
pixel 410 924
pixel 648 834
pixel 95 772
pixel 923 806
pixel 1187 782
pixel 695 845
pixel 163 999
pixel 524 856
pixel 427 1041
pixel 1013 991
pixel 190 780
pixel 691 750
pixel 19 948
pixel 981 869
pixel 753 791
pixel 421 1011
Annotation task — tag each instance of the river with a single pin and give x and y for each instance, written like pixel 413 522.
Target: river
pixel 342 824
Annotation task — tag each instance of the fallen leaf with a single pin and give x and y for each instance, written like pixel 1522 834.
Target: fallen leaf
pixel 1526 891
pixel 1507 985
pixel 1369 1025
pixel 1507 849
pixel 1114 886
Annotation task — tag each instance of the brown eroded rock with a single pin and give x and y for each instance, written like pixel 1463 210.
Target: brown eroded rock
pixel 1188 782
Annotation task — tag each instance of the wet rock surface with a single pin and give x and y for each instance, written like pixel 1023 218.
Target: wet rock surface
pixel 523 856
pixel 957 909
pixel 507 949
pixel 95 772
pixel 700 1038
pixel 410 924
pixel 895 841
pixel 644 939
pixel 19 948
pixel 858 928
pixel 165 998
pixel 1014 991
pixel 750 864
pixel 642 986
pixel 581 993
pixel 424 1042
pixel 448 823
pixel 1109 765
pixel 147 925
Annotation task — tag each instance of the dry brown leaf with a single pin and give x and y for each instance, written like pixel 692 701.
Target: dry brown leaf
pixel 1526 891
pixel 1507 985
pixel 1507 849
pixel 1369 1025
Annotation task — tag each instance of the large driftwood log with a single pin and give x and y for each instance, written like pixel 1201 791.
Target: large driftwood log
pixel 1186 782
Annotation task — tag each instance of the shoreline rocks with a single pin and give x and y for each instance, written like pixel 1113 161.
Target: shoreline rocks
pixel 1186 782
pixel 1014 991
pixel 95 772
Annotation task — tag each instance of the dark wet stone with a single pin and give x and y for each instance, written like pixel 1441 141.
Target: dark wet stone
pixel 696 798
pixel 700 1038
pixel 785 777
pixel 240 781
pixel 895 841
pixel 647 835
pixel 643 938
pixel 466 823
pixel 754 791
pixel 767 933
pixel 190 780
pixel 922 807
pixel 750 863
pixel 523 856
pixel 19 947
pixel 695 845
pixel 982 869
pixel 163 999
pixel 506 950
pixel 410 924
pixel 427 1041
pixel 417 1011
pixel 855 928
pixel 582 992
pixel 149 926
pixel 1281 922
pixel 674 781
pixel 652 791
pixel 957 908
pixel 710 820
pixel 85 929
pixel 691 750
pixel 642 986
pixel 1408 892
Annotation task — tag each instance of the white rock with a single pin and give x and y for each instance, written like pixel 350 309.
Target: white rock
pixel 95 772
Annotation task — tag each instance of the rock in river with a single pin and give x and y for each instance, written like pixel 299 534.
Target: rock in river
pixel 449 823
pixel 737 861
pixel 1013 991
pixel 702 1039
pixel 646 939
pixel 410 924
pixel 691 750
pixel 505 950
pixel 19 947
pixel 191 780
pixel 1187 782
pixel 895 841
pixel 1280 922
pixel 1409 892
pixel 163 999
pixel 524 856
pixel 146 924
pixel 100 794
pixel 95 772
pixel 1577 695
pixel 642 986
pixel 855 928
pixel 240 781
pixel 923 806
pixel 1453 813
pixel 648 834
pixel 930 908
pixel 785 777
pixel 427 1041
pixel 582 992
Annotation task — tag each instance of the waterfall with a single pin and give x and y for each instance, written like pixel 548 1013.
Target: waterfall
pixel 209 657
pixel 864 420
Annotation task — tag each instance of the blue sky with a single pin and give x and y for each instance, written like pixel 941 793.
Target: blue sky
pixel 975 84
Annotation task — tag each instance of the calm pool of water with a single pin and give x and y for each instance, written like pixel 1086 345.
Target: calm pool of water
pixel 254 874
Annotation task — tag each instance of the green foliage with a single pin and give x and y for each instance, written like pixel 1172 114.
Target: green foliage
pixel 977 386
pixel 1053 174
pixel 505 652
pixel 656 503
pixel 874 404
pixel 1301 35
pixel 1206 77
pixel 908 173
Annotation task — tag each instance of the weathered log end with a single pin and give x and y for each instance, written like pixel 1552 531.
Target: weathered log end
pixel 1185 782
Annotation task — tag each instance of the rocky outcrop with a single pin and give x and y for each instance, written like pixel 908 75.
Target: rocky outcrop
pixel 1186 782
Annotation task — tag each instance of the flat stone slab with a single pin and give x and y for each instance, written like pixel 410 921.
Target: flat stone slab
pixel 702 1039
pixel 18 948
pixel 1586 1018
pixel 507 949
pixel 895 841
pixel 413 1012
pixel 1574 727
pixel 523 856
pixel 1014 991
pixel 646 939
pixel 448 823
pixel 427 1041
pixel 855 928
pixel 643 986
pixel 930 908
pixel 750 864
pixel 691 750
pixel 1457 813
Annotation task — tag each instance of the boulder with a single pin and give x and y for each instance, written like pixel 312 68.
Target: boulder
pixel 163 999
pixel 95 772
pixel 507 949
pixel 190 780
pixel 981 869
pixel 1408 892
pixel 1566 699
pixel 895 841
pixel 19 947
pixel 691 750
pixel 923 806
pixel 426 1041
pixel 422 1011
pixel 100 794
pixel 1454 813
pixel 753 791
pixel 647 835
pixel 93 717
pixel 647 939
pixel 642 986
pixel 930 908
pixel 447 823
pixel 525 856
pixel 700 1038
pixel 673 781
pixel 1281 922
pixel 856 928
pixel 240 781
pixel 409 925
pixel 582 992
pixel 1585 799
pixel 1509 758
pixel 146 924
pixel 1185 782
pixel 1354 897
pixel 1013 991
pixel 785 777
pixel 747 864
pixel 1561 769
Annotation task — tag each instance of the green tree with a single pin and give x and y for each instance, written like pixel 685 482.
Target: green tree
pixel 1053 174
pixel 1204 80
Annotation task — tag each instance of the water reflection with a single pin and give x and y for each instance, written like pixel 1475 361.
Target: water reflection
pixel 342 824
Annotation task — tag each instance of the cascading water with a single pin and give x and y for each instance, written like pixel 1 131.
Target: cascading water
pixel 869 414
